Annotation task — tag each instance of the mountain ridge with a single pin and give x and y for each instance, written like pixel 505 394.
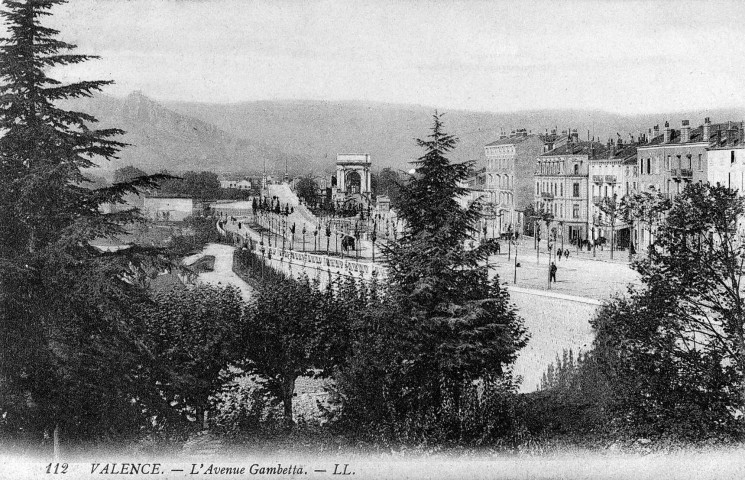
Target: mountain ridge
pixel 306 135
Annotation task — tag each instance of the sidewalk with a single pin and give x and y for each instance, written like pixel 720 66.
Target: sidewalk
pixel 223 270
pixel 578 276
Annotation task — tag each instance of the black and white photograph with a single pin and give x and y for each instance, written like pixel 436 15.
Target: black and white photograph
pixel 394 239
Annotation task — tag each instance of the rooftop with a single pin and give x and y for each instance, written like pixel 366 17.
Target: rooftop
pixel 591 149
pixel 717 136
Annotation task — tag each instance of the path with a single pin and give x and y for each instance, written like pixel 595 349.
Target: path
pixel 222 273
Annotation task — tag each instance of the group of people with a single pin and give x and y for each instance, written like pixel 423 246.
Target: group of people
pixel 560 252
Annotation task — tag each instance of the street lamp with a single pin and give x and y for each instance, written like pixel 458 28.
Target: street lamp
pixel 373 237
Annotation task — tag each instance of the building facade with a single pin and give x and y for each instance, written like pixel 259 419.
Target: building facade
pixel 609 176
pixel 173 209
pixel 672 158
pixel 510 166
pixel 561 186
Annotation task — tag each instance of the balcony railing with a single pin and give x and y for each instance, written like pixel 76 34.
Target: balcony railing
pixel 610 179
pixel 597 179
pixel 682 173
pixel 597 199
pixel 547 195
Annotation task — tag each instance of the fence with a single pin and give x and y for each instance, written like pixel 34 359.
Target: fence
pixel 294 263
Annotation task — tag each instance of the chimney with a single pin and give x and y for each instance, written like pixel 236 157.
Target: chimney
pixel 707 130
pixel 685 132
pixel 666 138
pixel 731 133
pixel 655 132
pixel 575 136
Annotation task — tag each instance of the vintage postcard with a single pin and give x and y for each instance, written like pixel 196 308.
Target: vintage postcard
pixel 372 239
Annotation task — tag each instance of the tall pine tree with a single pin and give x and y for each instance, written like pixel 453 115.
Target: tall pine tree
pixel 464 327
pixel 68 355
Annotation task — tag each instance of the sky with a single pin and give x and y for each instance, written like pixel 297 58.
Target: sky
pixel 624 57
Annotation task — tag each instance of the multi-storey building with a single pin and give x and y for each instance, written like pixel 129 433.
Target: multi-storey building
pixel 614 174
pixel 561 185
pixel 510 165
pixel 725 162
pixel 673 158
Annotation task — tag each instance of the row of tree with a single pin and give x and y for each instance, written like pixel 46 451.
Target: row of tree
pixel 200 185
pixel 669 358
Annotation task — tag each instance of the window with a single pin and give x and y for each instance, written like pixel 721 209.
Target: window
pixel 537 188
pixel 700 164
pixel 575 189
pixel 576 169
pixel 575 210
pixel 649 166
pixel 606 191
pixel 731 157
pixel 667 163
pixel 561 190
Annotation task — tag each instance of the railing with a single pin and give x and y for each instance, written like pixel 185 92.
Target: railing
pixel 320 262
pixel 610 179
pixel 547 195
pixel 597 199
pixel 682 173
pixel 597 179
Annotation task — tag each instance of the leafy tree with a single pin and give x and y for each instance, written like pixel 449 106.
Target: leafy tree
pixel 389 183
pixel 307 188
pixel 192 336
pixel 612 209
pixel 675 348
pixel 528 214
pixel 201 185
pixel 646 208
pixel 67 345
pixel 292 331
pixel 128 173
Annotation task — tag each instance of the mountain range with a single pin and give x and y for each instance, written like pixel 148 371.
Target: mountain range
pixel 306 135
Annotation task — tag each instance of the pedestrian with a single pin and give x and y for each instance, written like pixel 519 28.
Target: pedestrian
pixel 559 252
pixel 566 254
pixel 553 272
pixel 498 248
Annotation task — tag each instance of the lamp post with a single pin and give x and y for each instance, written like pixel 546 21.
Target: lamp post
pixel 284 233
pixel 373 237
pixel 509 243
pixel 328 237
pixel 357 242
pixel 263 258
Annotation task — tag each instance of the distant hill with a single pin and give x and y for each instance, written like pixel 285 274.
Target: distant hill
pixel 319 130
pixel 160 138
pixel 240 137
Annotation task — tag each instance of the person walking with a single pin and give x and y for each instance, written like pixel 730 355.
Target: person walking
pixel 559 252
pixel 498 248
pixel 553 272
pixel 566 254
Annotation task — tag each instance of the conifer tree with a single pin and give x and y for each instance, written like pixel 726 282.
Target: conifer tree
pixel 465 327
pixel 67 347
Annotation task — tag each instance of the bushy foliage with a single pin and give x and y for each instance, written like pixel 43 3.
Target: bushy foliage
pixel 439 324
pixel 191 334
pixel 293 329
pixel 245 405
pixel 68 357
